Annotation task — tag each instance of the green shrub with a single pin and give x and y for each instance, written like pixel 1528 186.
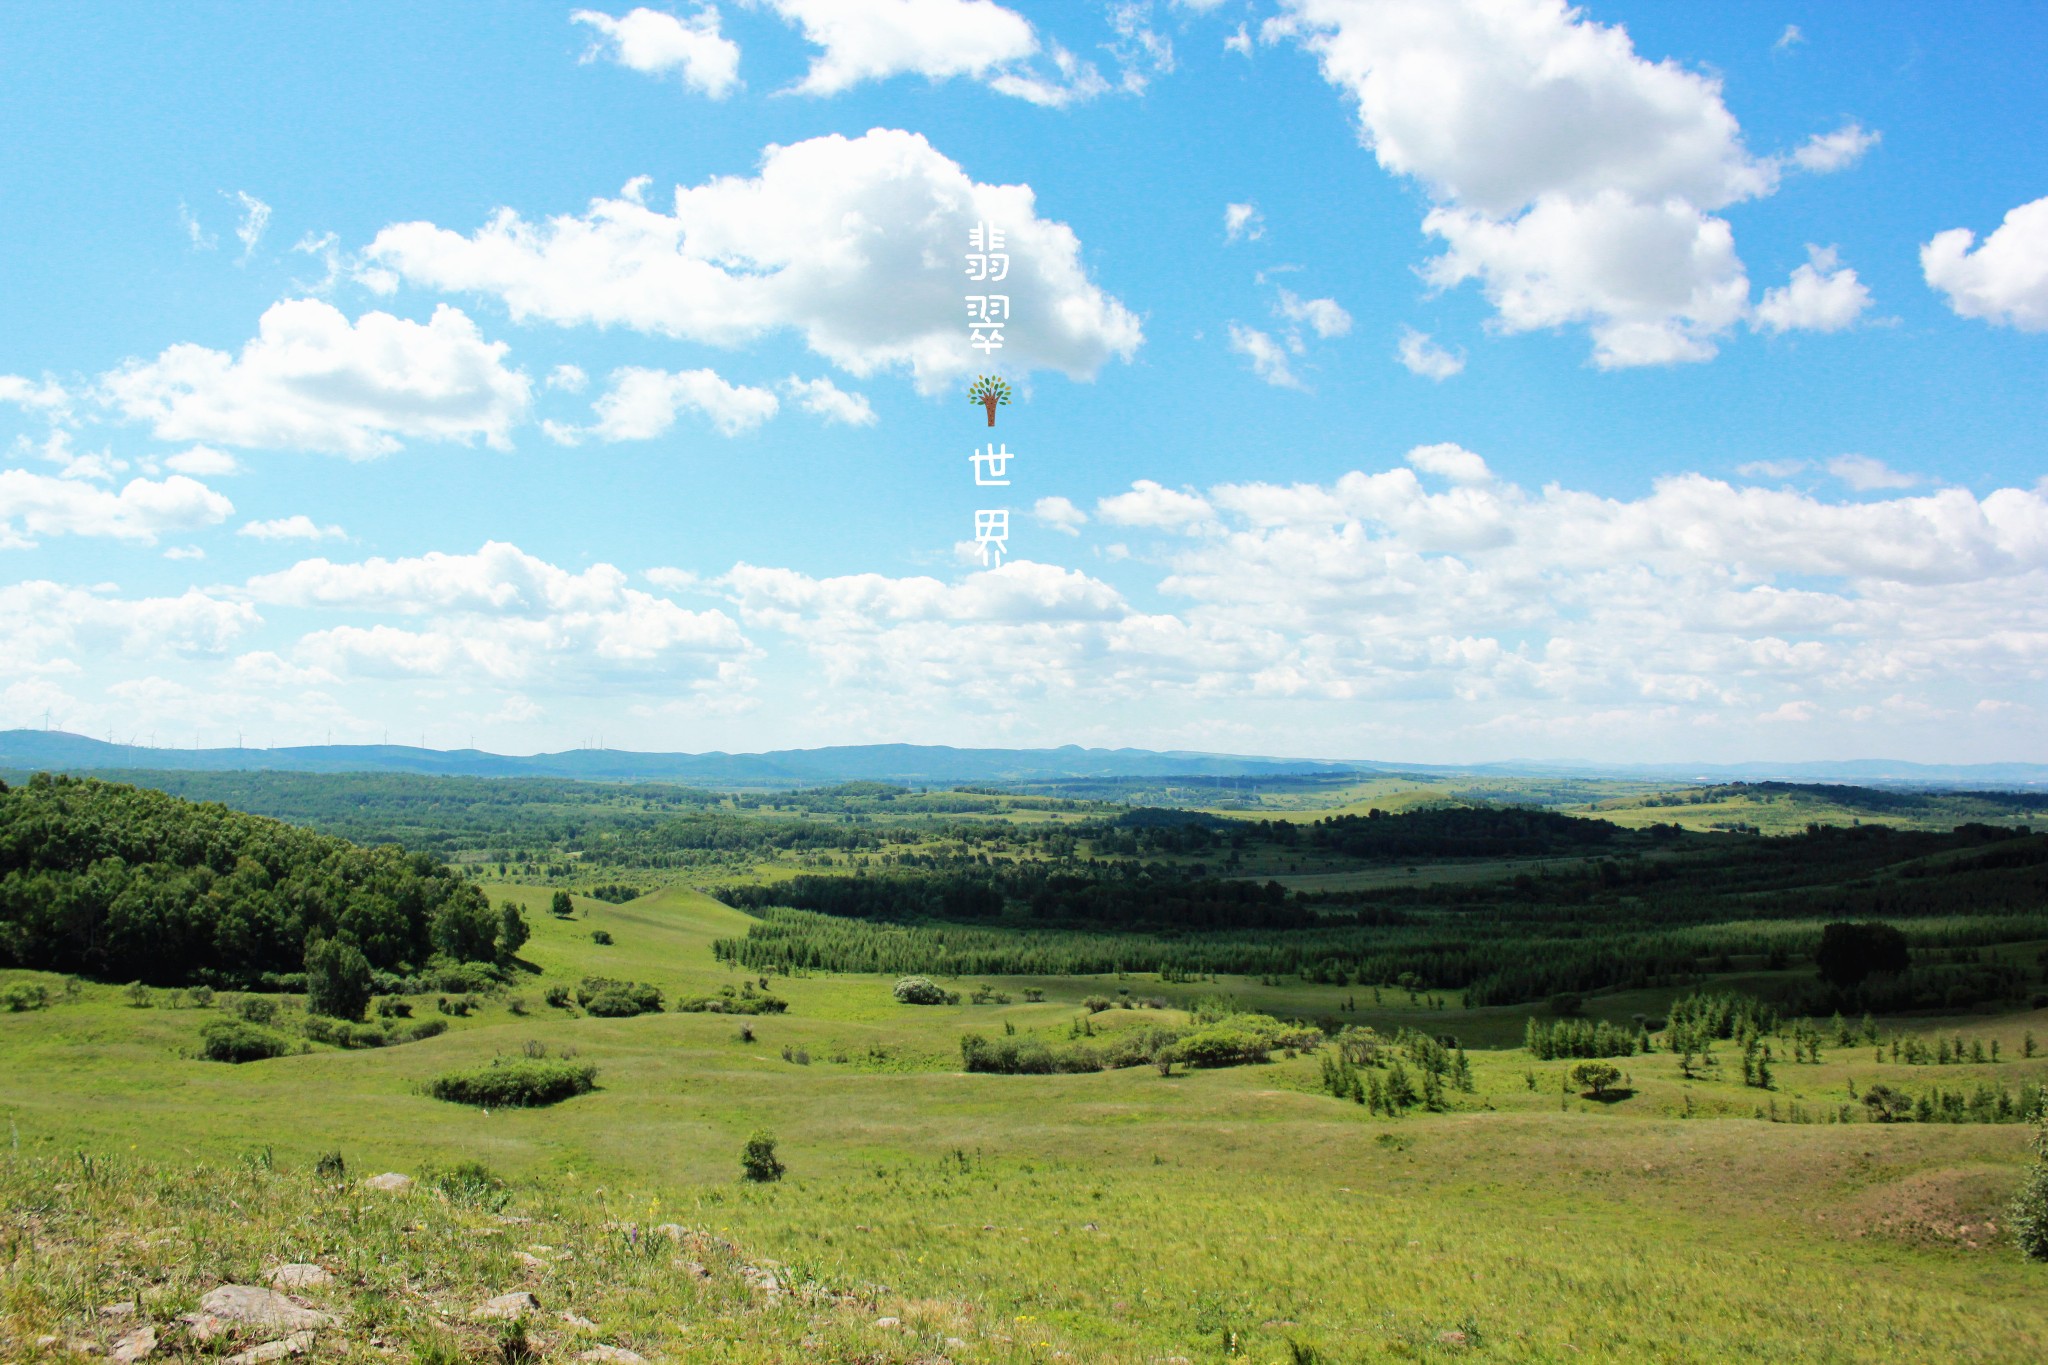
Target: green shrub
pixel 426 1028
pixel 1595 1077
pixel 344 1033
pixel 256 1009
pixel 1096 1004
pixel 732 1004
pixel 2028 1214
pixel 514 1083
pixel 609 999
pixel 757 1159
pixel 558 996
pixel 231 1040
pixel 464 978
pixel 391 1007
pixel 20 999
pixel 600 937
pixel 470 1184
pixel 461 1006
pixel 922 990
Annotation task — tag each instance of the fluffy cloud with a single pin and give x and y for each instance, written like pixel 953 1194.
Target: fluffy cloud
pixel 1574 180
pixel 1243 223
pixel 2003 281
pixel 1060 514
pixel 1823 296
pixel 873 40
pixel 655 43
pixel 642 404
pixel 822 398
pixel 500 612
pixel 1150 504
pixel 203 462
pixel 853 242
pixel 1268 357
pixel 300 527
pixel 1424 357
pixel 46 397
pixel 43 624
pixel 1825 153
pixel 33 505
pixel 1325 317
pixel 312 380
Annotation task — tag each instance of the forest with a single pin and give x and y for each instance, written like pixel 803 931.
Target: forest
pixel 128 884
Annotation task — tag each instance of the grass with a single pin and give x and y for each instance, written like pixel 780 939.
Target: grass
pixel 1116 1217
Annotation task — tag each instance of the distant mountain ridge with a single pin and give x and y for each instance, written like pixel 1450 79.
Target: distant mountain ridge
pixel 913 763
pixel 926 764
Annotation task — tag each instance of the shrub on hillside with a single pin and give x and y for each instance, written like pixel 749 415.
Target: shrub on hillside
pixel 600 937
pixel 514 1083
pixel 922 990
pixel 758 1160
pixel 344 1033
pixel 230 1040
pixel 2028 1214
pixel 20 999
pixel 609 999
pixel 256 1009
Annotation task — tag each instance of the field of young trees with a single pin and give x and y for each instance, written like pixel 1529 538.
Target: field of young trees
pixel 1037 1079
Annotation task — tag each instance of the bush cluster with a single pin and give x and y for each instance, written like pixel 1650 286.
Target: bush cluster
pixel 745 1000
pixel 609 999
pixel 515 1083
pixel 231 1040
pixel 922 990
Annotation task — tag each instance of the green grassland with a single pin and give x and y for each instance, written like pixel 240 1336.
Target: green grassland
pixel 1119 1216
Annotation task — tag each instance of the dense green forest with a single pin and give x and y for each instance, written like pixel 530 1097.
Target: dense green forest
pixel 127 883
pixel 1669 911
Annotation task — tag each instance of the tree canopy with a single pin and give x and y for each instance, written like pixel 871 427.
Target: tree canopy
pixel 126 883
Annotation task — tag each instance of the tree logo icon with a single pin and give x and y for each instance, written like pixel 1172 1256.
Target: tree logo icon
pixel 989 391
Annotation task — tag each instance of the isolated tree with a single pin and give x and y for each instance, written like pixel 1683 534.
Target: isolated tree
pixel 1595 1077
pixel 1887 1104
pixel 338 981
pixel 1850 953
pixel 2028 1213
pixel 512 931
pixel 990 392
pixel 561 906
pixel 758 1161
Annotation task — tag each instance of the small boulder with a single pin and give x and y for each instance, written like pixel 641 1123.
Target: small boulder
pixel 244 1307
pixel 612 1355
pixel 296 1344
pixel 123 1309
pixel 300 1275
pixel 391 1182
pixel 506 1307
pixel 139 1344
pixel 577 1321
pixel 888 1324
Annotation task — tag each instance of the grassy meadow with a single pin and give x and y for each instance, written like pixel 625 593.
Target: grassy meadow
pixel 1119 1216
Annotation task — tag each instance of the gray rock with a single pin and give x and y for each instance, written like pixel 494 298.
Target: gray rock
pixel 391 1182
pixel 505 1307
pixel 577 1321
pixel 247 1308
pixel 300 1275
pixel 123 1309
pixel 139 1344
pixel 297 1344
pixel 612 1355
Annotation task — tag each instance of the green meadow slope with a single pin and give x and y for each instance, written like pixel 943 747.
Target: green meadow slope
pixel 1115 1216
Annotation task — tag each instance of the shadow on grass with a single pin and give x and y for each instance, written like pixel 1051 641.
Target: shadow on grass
pixel 1614 1096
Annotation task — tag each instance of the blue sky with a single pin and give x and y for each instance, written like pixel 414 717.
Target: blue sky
pixel 1433 381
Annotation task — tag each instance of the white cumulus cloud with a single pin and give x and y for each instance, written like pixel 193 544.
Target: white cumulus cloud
pixel 1824 153
pixel 2005 280
pixel 1325 317
pixel 1865 474
pixel 642 404
pixel 656 43
pixel 300 527
pixel 34 505
pixel 312 380
pixel 1575 181
pixel 873 40
pixel 1060 514
pixel 822 398
pixel 855 243
pixel 1243 223
pixel 1823 296
pixel 1424 357
pixel 1269 358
